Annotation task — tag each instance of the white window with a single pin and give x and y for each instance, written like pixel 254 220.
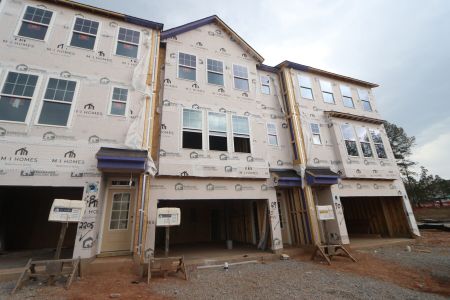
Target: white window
pixel 241 134
pixel 84 33
pixel 240 75
pixel 187 66
pixel 120 211
pixel 16 96
pixel 350 141
pixel 378 142
pixel 217 129
pixel 265 85
pixel 215 71
pixel 327 91
pixel 315 129
pixel 272 135
pixel 119 102
pixel 192 129
pixel 128 42
pixel 57 102
pixel 35 23
pixel 364 141
pixel 305 87
pixel 347 96
pixel 364 97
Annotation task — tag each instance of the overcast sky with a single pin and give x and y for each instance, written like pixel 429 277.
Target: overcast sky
pixel 402 45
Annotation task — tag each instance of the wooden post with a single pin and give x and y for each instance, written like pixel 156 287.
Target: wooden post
pixel 62 234
pixel 166 251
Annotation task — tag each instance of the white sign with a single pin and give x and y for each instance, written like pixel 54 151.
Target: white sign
pixel 168 216
pixel 64 210
pixel 325 212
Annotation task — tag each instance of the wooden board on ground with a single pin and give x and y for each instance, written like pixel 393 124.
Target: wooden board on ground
pixel 328 251
pixel 165 266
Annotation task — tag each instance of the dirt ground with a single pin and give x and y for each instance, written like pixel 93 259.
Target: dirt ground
pixel 439 214
pixel 379 273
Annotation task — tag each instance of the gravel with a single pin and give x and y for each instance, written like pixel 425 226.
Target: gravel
pixel 282 280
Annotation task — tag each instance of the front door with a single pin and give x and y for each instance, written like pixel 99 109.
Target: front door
pixel 118 226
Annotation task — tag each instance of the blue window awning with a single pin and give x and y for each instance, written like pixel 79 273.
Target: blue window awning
pixel 286 178
pixel 321 176
pixel 113 159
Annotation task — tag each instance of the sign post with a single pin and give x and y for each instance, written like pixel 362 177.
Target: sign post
pixel 166 217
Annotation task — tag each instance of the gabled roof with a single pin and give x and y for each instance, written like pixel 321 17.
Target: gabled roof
pixel 208 20
pixel 300 67
pixel 108 13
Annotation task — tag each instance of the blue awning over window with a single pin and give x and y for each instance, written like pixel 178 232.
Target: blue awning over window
pixel 112 159
pixel 321 176
pixel 286 178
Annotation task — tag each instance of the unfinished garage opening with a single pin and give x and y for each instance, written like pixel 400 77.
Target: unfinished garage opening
pixel 375 217
pixel 24 225
pixel 207 225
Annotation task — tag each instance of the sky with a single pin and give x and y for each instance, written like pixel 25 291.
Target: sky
pixel 402 45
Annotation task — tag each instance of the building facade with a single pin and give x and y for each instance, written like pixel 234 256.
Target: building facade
pixel 76 100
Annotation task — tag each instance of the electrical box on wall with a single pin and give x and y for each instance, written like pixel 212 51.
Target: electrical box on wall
pixel 168 216
pixel 64 210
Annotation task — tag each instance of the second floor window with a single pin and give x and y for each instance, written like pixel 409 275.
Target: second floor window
pixel 240 76
pixel 128 42
pixel 272 136
pixel 349 139
pixel 57 102
pixel 347 96
pixel 327 91
pixel 217 128
pixel 305 87
pixel 187 66
pixel 265 85
pixel 364 97
pixel 119 102
pixel 241 134
pixel 315 129
pixel 192 129
pixel 378 142
pixel 364 141
pixel 16 96
pixel 84 33
pixel 215 71
pixel 35 23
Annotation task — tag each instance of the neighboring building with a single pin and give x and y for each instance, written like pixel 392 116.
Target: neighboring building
pixel 336 127
pixel 77 85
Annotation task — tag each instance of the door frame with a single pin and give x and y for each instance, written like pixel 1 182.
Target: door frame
pixel 108 188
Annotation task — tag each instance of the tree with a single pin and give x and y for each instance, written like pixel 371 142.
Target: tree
pixel 401 143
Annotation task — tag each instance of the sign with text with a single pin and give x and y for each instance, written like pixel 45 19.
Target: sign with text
pixel 325 212
pixel 64 210
pixel 168 216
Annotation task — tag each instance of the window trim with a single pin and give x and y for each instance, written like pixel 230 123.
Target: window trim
pixel 248 79
pixel 32 99
pixel 327 92
pixel 72 107
pixel 261 84
pixel 116 40
pixel 314 134
pixel 72 30
pixel 305 87
pixel 365 101
pixel 344 139
pixel 343 96
pixel 241 135
pixel 226 131
pixel 223 72
pixel 49 27
pixel 111 93
pixel 178 66
pixel 375 144
pixel 201 130
pixel 269 134
pixel 360 142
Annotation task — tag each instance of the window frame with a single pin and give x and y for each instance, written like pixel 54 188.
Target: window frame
pixel 271 134
pixel 223 132
pixel 178 66
pixel 315 133
pixel 365 101
pixel 344 139
pixel 262 84
pixel 327 92
pixel 215 72
pixel 240 134
pixel 343 96
pixel 243 78
pixel 300 86
pixel 377 143
pixel 111 101
pixel 366 142
pixel 195 130
pixel 72 107
pixel 72 30
pixel 129 210
pixel 49 26
pixel 126 42
pixel 33 100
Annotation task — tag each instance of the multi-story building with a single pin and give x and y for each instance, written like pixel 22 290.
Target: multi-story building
pixel 77 85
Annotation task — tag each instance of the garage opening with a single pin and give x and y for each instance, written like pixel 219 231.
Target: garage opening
pixel 212 228
pixel 24 228
pixel 377 217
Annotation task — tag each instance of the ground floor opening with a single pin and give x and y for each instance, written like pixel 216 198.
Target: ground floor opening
pixel 24 227
pixel 216 228
pixel 375 217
